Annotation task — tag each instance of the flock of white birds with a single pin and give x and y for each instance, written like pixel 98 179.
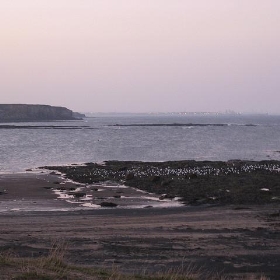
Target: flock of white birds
pixel 181 173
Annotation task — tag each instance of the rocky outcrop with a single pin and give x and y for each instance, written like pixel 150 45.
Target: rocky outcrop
pixel 108 204
pixel 24 112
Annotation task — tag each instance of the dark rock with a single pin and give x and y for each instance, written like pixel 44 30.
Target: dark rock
pixel 198 201
pixel 191 176
pixel 165 183
pixel 108 204
pixel 166 196
pixel 78 194
pixel 117 196
pixel 123 168
pixel 156 179
pixel 129 176
pixel 29 169
pixel 276 214
pixel 61 189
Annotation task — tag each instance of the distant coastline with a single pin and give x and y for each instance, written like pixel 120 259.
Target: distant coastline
pixel 28 112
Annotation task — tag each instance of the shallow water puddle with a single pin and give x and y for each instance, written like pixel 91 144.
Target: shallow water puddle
pixel 109 195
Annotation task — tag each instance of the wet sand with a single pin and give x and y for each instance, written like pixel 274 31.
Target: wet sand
pixel 45 191
pixel 29 192
pixel 230 239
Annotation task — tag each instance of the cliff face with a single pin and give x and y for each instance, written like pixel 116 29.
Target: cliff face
pixel 23 112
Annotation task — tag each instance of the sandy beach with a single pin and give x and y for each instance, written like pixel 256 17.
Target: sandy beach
pixel 29 192
pixel 226 239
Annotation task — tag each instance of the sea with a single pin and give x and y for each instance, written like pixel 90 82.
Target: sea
pixel 139 137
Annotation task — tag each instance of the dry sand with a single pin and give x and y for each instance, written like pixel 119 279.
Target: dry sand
pixel 235 240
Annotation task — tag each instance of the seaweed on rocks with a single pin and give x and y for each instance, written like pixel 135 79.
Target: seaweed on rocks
pixel 196 182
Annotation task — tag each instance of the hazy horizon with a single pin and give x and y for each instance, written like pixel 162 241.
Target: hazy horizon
pixel 142 56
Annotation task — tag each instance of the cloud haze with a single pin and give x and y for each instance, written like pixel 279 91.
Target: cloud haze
pixel 140 56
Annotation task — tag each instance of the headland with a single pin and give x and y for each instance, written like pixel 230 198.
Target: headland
pixel 31 113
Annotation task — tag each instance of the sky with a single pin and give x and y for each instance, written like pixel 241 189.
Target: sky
pixel 141 55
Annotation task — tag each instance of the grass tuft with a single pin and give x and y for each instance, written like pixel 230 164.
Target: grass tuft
pixel 54 267
pixel 33 276
pixel 6 258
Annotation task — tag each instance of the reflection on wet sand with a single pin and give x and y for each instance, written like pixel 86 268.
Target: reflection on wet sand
pixel 108 194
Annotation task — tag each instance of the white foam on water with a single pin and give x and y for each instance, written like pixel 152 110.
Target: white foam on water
pixel 91 205
pixel 150 198
pixel 141 191
pixel 126 201
pixel 62 194
pixel 115 186
pixel 87 198
pixel 73 202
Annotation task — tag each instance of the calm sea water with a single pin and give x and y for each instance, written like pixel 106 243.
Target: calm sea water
pixel 243 137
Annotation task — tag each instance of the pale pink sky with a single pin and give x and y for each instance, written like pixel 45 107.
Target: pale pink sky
pixel 141 56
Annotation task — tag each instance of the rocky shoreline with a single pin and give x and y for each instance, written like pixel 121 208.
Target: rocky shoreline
pixel 195 182
pixel 236 240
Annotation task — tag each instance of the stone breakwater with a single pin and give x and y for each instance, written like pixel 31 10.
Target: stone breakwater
pixel 205 182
